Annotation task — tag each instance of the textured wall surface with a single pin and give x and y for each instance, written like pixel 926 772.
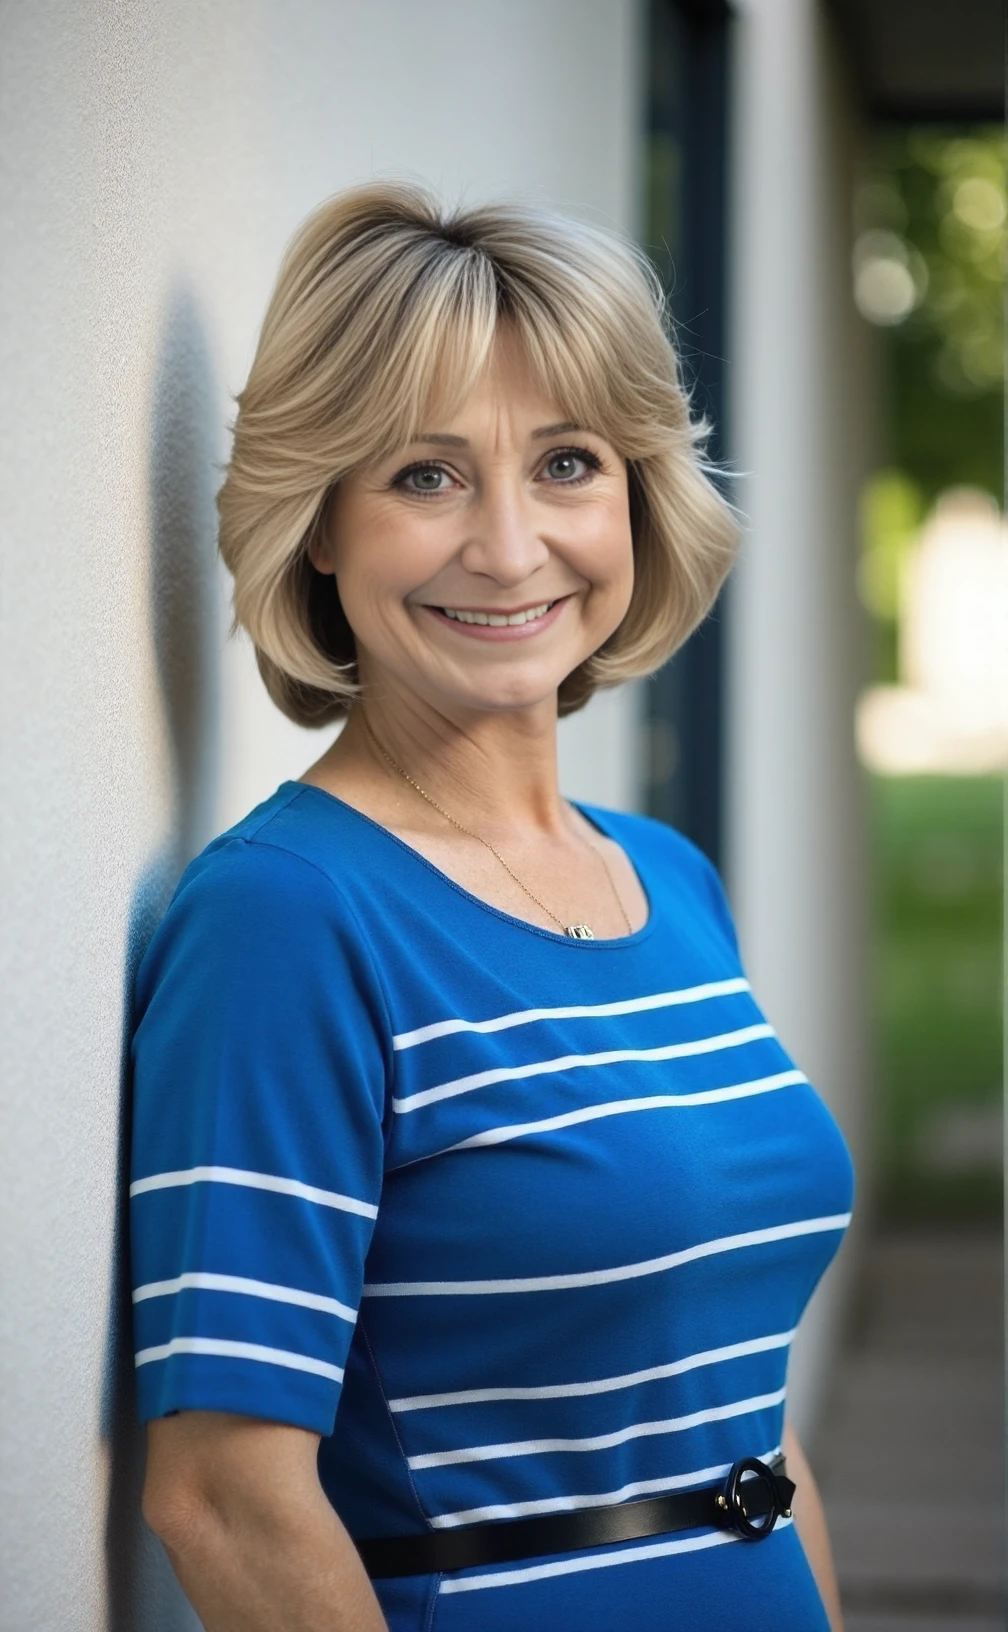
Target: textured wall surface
pixel 156 159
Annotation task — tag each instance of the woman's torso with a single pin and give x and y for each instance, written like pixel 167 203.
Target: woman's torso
pixel 607 1196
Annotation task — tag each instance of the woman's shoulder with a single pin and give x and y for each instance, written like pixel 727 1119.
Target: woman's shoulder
pixel 299 836
pixel 266 888
pixel 649 838
pixel 687 875
pixel 265 855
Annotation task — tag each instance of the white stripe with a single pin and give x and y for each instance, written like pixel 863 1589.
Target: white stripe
pixel 602 1385
pixel 598 1561
pixel 205 1281
pixel 597 1442
pixel 577 1011
pixel 566 1504
pixel 604 1277
pixel 228 1350
pixel 571 1062
pixel 253 1181
pixel 621 1107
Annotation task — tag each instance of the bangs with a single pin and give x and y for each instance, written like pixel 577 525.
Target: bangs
pixel 437 378
pixel 433 334
pixel 597 364
pixel 428 349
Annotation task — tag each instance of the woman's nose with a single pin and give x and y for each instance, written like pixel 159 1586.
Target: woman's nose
pixel 504 542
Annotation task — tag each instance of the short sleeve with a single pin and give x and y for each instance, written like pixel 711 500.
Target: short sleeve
pixel 260 1054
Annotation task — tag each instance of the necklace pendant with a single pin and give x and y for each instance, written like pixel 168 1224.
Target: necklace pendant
pixel 579 932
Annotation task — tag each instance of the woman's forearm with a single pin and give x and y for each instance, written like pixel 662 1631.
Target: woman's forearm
pixel 261 1551
pixel 810 1522
pixel 261 1580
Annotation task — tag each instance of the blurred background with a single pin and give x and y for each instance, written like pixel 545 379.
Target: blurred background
pixel 821 184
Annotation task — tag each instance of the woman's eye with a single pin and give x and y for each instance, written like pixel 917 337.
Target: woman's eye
pixel 570 465
pixel 424 479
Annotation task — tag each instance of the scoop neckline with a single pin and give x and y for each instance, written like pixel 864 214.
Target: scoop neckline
pixel 611 942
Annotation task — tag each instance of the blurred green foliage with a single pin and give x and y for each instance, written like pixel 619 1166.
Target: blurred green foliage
pixel 937 993
pixel 929 269
pixel 892 510
pixel 930 218
pixel 939 198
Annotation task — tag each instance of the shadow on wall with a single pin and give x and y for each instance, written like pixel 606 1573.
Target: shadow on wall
pixel 186 630
pixel 185 578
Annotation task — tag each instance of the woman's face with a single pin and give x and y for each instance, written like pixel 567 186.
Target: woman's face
pixel 481 564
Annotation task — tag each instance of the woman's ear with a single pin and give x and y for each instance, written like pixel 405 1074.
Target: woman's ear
pixel 319 554
pixel 319 547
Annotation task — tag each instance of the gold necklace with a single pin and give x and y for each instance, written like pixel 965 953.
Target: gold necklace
pixel 577 932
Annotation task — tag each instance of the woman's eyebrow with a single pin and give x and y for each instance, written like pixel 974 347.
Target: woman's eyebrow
pixel 563 429
pixel 442 439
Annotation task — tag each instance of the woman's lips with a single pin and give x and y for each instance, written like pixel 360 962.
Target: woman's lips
pixel 507 631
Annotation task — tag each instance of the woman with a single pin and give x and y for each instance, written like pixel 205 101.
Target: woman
pixel 475 1202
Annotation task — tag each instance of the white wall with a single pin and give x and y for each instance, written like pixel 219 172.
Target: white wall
pixel 799 404
pixel 157 157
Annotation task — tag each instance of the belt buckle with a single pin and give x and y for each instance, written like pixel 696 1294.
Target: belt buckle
pixel 729 1503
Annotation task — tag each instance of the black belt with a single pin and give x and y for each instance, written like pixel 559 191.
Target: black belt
pixel 749 1505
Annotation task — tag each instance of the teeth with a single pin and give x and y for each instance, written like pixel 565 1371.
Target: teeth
pixel 496 620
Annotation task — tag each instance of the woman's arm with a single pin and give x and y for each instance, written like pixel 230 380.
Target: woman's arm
pixel 810 1521
pixel 253 1540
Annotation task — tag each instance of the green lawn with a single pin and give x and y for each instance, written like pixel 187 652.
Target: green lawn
pixel 937 994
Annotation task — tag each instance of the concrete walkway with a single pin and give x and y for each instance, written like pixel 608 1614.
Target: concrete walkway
pixel 911 1458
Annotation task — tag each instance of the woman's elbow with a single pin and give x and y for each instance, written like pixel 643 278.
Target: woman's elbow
pixel 177 1510
pixel 211 1477
pixel 177 1501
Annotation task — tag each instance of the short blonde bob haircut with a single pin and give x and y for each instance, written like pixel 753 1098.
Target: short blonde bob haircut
pixel 385 309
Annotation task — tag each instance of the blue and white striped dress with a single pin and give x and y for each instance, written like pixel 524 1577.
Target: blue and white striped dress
pixel 516 1223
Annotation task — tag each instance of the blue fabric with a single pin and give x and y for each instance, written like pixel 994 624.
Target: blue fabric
pixel 516 1223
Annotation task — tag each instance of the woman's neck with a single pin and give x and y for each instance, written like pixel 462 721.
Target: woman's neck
pixel 493 771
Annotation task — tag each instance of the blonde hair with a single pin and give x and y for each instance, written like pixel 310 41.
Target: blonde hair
pixel 385 304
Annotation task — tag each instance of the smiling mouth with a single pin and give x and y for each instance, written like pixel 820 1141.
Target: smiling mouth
pixel 498 620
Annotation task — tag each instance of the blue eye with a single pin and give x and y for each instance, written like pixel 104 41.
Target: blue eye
pixel 571 465
pixel 423 479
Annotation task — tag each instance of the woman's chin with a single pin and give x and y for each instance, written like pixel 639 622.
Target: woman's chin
pixel 506 695
pixel 497 704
